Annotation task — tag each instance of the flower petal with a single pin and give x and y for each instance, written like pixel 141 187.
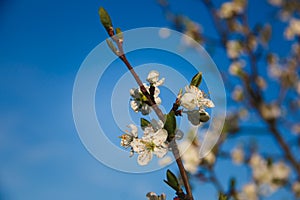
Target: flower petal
pixel 134 130
pixel 160 137
pixel 160 151
pixel 144 157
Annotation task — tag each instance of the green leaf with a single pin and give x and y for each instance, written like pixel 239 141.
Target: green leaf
pixel 112 46
pixel 222 197
pixel 170 125
pixel 144 123
pixel 119 34
pixel 105 18
pixel 172 181
pixel 196 80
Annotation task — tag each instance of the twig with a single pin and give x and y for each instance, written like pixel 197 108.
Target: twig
pixel 158 112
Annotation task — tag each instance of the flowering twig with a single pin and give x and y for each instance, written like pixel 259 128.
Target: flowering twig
pixel 118 40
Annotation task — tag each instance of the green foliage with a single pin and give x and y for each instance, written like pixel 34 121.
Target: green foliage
pixel 144 123
pixel 105 18
pixel 119 34
pixel 172 181
pixel 196 80
pixel 222 197
pixel 112 46
pixel 170 125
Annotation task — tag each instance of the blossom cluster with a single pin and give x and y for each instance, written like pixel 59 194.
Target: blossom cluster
pixel 194 102
pixel 139 101
pixel 153 142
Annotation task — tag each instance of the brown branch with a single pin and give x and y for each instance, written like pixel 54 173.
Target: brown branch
pixel 158 112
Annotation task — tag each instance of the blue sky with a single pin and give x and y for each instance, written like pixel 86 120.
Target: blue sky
pixel 43 43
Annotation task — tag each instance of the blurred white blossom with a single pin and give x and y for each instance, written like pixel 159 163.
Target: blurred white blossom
pixel 296 189
pixel 237 155
pixel 234 49
pixel 293 29
pixel 229 9
pixel 154 196
pixel 209 159
pixel 270 111
pixel 275 2
pixel 249 192
pixel 190 156
pixel 235 67
pixel 237 93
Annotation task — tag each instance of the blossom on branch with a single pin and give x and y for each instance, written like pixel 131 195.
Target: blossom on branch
pixel 140 103
pixel 152 143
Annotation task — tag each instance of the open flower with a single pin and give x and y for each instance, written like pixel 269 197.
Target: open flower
pixel 139 101
pixel 152 143
pixel 193 98
pixel 237 155
pixel 154 196
pixel 128 137
pixel 153 78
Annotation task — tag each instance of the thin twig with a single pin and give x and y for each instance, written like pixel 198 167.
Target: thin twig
pixel 158 112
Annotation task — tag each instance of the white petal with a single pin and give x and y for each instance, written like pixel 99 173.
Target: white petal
pixel 160 151
pixel 144 157
pixel 134 130
pixel 137 145
pixel 206 103
pixel 134 105
pixel 160 82
pixel 153 76
pixel 160 137
pixel 157 100
pixel 188 101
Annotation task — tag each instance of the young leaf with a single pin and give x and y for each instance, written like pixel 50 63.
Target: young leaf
pixel 105 18
pixel 172 181
pixel 144 123
pixel 196 80
pixel 112 46
pixel 170 125
pixel 119 34
pixel 222 197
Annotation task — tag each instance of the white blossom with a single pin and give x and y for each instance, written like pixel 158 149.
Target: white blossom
pixel 275 2
pixel 280 171
pixel 152 143
pixel 154 196
pixel 128 137
pixel 153 78
pixel 229 9
pixel 190 156
pixel 236 67
pixel 270 111
pixel 234 49
pixel 237 93
pixel 293 29
pixel 193 98
pixel 249 192
pixel 209 159
pixel 138 103
pixel 237 155
pixel 296 189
